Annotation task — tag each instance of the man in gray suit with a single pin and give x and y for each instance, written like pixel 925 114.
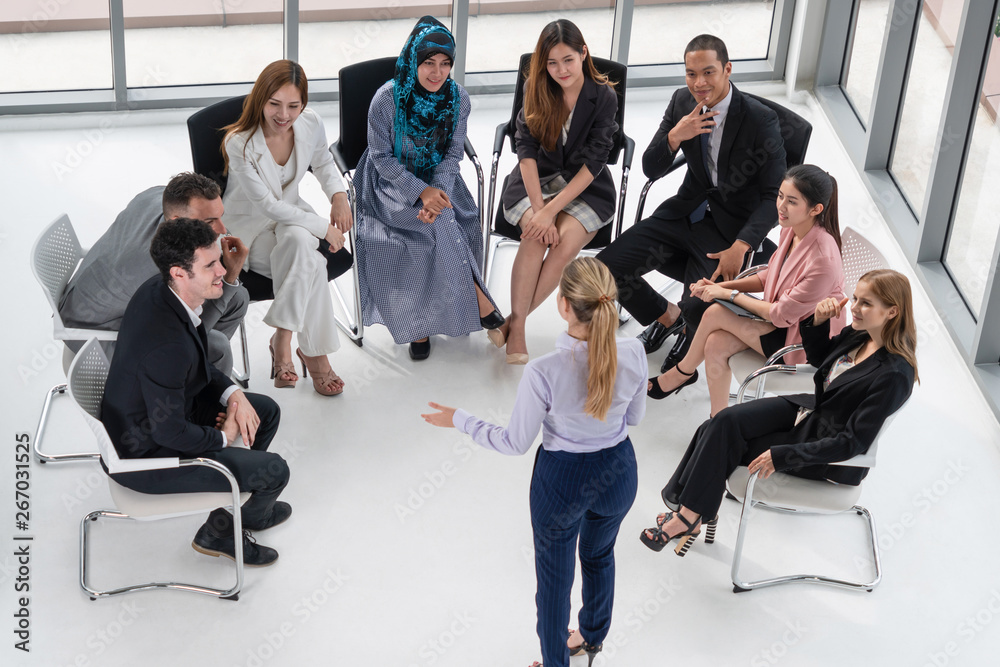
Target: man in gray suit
pixel 119 262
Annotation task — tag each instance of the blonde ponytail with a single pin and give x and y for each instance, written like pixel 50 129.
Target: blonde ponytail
pixel 588 286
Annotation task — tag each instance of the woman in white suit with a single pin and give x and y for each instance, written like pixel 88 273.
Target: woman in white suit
pixel 268 151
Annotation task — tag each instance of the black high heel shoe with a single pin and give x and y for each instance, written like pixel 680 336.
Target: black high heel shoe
pixel 685 538
pixel 591 651
pixel 657 393
pixel 492 321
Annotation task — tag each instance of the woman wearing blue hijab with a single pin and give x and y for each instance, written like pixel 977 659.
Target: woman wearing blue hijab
pixel 419 240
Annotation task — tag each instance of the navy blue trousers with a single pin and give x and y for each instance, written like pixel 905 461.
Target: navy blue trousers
pixel 585 496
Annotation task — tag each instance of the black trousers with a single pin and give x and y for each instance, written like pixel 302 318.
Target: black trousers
pixel 258 471
pixel 676 248
pixel 734 437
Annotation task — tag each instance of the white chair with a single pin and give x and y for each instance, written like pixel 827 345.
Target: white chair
pixel 54 257
pixel 751 369
pixel 787 493
pixel 87 376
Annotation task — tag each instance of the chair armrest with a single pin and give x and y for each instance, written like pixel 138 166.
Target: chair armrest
pixel 753 270
pixel 771 368
pixel 469 150
pixel 773 359
pixel 679 161
pixel 629 151
pixel 338 159
pixel 501 133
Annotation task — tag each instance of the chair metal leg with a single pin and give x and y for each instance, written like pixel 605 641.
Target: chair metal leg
pixel 40 456
pixel 243 378
pixel 741 586
pixel 226 594
pixel 353 327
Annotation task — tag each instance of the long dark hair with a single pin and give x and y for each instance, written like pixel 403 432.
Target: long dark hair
pixel 818 187
pixel 544 111
pixel 271 79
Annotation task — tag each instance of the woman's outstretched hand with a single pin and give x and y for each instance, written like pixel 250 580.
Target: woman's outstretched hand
pixel 828 308
pixel 442 418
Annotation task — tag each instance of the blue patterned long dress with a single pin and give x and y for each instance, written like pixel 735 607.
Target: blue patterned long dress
pixel 415 278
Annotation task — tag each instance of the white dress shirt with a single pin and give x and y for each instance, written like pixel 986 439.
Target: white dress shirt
pixel 552 396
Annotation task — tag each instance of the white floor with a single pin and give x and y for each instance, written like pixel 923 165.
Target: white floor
pixel 409 545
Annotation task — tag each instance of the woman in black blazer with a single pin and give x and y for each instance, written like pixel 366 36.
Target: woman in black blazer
pixel 561 192
pixel 864 374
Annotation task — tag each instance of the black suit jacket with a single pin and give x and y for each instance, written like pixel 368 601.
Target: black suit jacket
pixel 751 166
pixel 588 143
pixel 158 374
pixel 848 414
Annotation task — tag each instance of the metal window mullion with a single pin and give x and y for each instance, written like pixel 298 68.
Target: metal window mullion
pixel 955 128
pixel 460 29
pixel 834 43
pixel 780 36
pixel 290 30
pixel 622 31
pixel 890 84
pixel 116 14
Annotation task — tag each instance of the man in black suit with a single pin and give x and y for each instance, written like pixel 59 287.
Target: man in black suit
pixel 164 399
pixel 725 206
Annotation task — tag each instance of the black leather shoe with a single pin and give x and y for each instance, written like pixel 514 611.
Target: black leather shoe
pixel 492 321
pixel 254 555
pixel 677 352
pixel 420 351
pixel 656 333
pixel 279 514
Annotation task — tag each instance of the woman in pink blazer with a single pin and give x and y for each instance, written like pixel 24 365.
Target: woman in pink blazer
pixel 805 269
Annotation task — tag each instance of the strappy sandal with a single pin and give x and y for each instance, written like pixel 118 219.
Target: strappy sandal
pixel 660 539
pixel 278 370
pixel 591 651
pixel 657 393
pixel 325 384
pixel 710 526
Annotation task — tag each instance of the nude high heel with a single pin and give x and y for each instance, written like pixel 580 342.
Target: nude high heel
pixel 277 370
pixel 321 381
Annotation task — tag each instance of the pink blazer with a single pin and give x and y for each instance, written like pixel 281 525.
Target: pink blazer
pixel 794 283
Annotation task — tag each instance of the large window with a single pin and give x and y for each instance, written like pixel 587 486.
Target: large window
pixel 54 46
pixel 660 31
pixel 973 234
pixel 179 44
pixel 861 65
pixel 498 37
pixel 917 132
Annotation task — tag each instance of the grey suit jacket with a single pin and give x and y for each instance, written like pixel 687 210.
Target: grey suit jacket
pixel 113 269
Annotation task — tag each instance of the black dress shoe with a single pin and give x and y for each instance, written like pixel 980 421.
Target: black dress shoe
pixel 677 352
pixel 420 351
pixel 279 514
pixel 656 333
pixel 254 555
pixel 492 321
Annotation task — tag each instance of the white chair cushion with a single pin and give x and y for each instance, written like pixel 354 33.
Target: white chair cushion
pixel 790 492
pixel 148 506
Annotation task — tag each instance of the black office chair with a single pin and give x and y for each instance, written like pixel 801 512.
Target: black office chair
pixel 795 133
pixel 503 232
pixel 206 134
pixel 358 84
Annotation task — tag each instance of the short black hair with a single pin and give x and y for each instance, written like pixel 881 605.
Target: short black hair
pixel 708 43
pixel 175 243
pixel 184 187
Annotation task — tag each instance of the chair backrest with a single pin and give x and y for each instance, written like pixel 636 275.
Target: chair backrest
pixel 206 134
pixel 358 85
pixel 86 379
pixel 859 256
pixel 616 72
pixel 795 131
pixel 54 258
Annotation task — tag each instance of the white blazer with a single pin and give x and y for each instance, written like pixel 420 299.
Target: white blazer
pixel 254 196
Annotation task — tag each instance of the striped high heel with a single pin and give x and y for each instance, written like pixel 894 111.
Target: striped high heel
pixel 686 542
pixel 684 539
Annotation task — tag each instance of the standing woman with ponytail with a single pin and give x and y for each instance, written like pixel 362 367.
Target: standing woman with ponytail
pixel 805 269
pixel 583 396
